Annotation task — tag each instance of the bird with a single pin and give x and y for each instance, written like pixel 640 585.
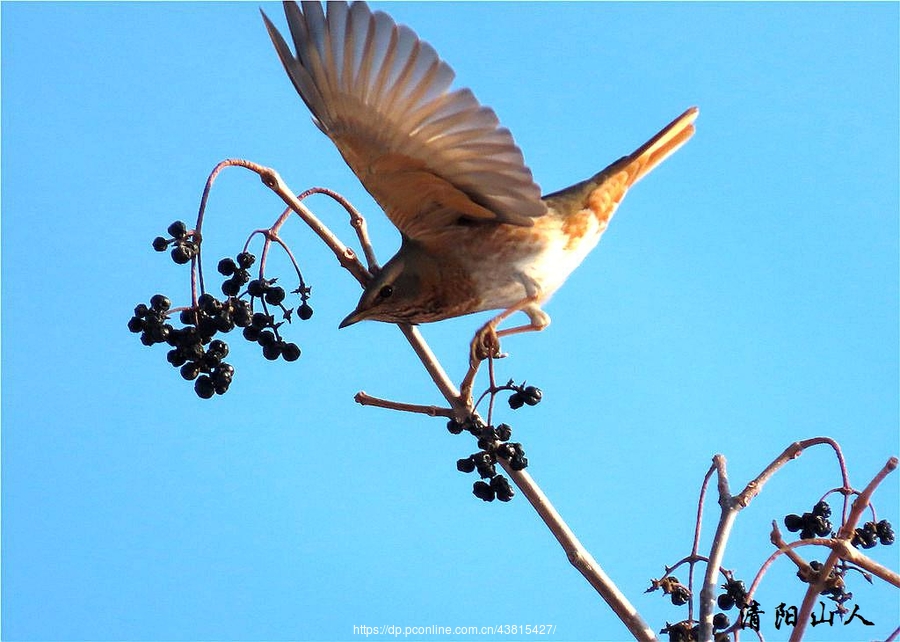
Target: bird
pixel 476 234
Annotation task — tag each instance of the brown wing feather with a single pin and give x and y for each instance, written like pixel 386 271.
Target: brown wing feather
pixel 383 96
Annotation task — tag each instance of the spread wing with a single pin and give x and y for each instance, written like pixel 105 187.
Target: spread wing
pixel 428 155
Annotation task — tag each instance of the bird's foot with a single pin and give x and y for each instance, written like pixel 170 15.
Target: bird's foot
pixel 485 345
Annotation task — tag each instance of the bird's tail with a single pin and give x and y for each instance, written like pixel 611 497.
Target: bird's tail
pixel 604 191
pixel 657 149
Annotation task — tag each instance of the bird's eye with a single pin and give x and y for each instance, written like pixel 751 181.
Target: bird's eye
pixel 385 292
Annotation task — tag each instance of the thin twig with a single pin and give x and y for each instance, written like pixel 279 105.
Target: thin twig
pixel 357 221
pixel 695 548
pixel 364 399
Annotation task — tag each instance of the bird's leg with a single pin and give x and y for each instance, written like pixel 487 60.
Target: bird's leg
pixel 486 343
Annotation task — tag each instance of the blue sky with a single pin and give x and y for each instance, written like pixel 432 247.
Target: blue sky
pixel 745 296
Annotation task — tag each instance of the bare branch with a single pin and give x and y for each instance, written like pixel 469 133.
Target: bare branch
pixel 729 511
pixel 364 399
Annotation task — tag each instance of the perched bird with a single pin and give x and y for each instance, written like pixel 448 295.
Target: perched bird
pixel 476 233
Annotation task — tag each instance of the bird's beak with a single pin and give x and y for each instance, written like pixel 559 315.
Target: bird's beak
pixel 354 317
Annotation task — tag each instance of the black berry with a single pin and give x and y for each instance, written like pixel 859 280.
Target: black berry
pixel 275 295
pixel 218 347
pixel 182 254
pixel 208 303
pixel 793 522
pixel 290 352
pixel 231 287
pixel 204 387
pixel 245 259
pixel 500 486
pixel 227 267
pixel 176 358
pixel 483 491
pixel 242 315
pixel 532 395
pixel 160 302
pixel 190 370
pixel 518 462
pixel 822 509
pixel 885 532
pixel 272 351
pixel 256 287
pixel 177 230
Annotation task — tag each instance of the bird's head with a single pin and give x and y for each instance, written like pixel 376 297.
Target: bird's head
pixel 399 292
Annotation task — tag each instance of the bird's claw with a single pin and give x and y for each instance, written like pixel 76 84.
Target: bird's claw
pixel 485 345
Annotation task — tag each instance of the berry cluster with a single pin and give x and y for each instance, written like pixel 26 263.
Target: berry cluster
pixel 735 594
pixel 524 396
pixel 494 443
pixel 264 331
pixel 185 246
pixel 150 320
pixel 872 533
pixel 236 271
pixel 193 350
pixel 814 524
pixel 199 356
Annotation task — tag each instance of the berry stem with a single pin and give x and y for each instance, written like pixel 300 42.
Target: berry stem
pixel 197 266
pixel 493 385
pixel 271 235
